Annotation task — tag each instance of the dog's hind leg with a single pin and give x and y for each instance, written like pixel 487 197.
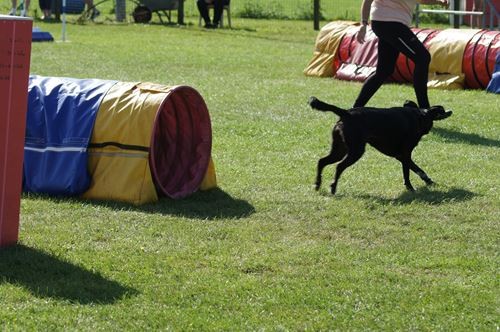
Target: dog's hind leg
pixel 355 152
pixel 337 152
pixel 334 156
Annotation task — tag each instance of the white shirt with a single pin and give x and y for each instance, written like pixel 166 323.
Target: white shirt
pixel 393 11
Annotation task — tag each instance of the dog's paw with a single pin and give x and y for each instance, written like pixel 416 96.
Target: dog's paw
pixel 409 187
pixel 333 188
pixel 317 184
pixel 428 181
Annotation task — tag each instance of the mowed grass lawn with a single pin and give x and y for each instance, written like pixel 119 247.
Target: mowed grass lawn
pixel 264 251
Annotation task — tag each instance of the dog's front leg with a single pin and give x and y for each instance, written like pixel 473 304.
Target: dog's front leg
pixel 406 175
pixel 420 172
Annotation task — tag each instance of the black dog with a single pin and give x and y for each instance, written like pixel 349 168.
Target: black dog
pixel 393 131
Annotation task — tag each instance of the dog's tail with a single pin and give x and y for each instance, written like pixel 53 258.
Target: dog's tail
pixel 317 104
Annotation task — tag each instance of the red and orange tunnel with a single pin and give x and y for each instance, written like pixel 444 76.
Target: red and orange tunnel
pixel 460 58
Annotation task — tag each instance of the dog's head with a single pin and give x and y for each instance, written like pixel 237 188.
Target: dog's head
pixel 438 113
pixel 434 112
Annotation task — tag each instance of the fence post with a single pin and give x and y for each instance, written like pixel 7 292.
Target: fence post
pixel 316 15
pixel 456 18
pixel 120 10
pixel 180 13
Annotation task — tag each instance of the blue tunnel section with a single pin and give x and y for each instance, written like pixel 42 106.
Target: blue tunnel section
pixel 60 120
pixel 494 85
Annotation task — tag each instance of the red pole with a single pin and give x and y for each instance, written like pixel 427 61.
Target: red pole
pixel 15 52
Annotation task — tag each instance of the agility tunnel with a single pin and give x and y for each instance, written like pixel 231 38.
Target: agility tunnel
pixel 460 58
pixel 38 35
pixel 109 140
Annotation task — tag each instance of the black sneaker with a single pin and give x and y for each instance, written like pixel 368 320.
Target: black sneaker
pixel 439 112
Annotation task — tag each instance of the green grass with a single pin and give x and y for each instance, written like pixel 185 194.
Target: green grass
pixel 265 251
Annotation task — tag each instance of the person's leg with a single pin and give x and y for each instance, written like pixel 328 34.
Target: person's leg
pixel 421 77
pixel 94 12
pixel 13 10
pixel 401 38
pixel 408 43
pixel 218 8
pixel 41 4
pixel 386 61
pixel 26 7
pixel 45 7
pixel 202 8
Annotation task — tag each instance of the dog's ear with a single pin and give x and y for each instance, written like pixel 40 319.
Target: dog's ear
pixel 410 104
pixel 438 113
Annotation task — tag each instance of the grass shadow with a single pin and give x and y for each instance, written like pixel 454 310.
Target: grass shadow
pixel 211 204
pixel 47 276
pixel 427 195
pixel 47 21
pixel 167 24
pixel 459 137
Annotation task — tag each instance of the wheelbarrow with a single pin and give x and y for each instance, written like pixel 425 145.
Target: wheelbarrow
pixel 144 10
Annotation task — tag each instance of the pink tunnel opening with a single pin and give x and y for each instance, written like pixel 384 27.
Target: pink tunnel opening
pixel 181 143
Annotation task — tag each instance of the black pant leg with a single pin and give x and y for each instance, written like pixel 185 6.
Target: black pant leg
pixel 202 8
pixel 45 4
pixel 421 58
pixel 405 41
pixel 387 56
pixel 218 8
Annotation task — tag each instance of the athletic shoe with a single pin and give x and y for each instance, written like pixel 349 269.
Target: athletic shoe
pixel 13 12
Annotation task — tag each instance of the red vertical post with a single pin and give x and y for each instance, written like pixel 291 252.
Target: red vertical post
pixel 15 53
